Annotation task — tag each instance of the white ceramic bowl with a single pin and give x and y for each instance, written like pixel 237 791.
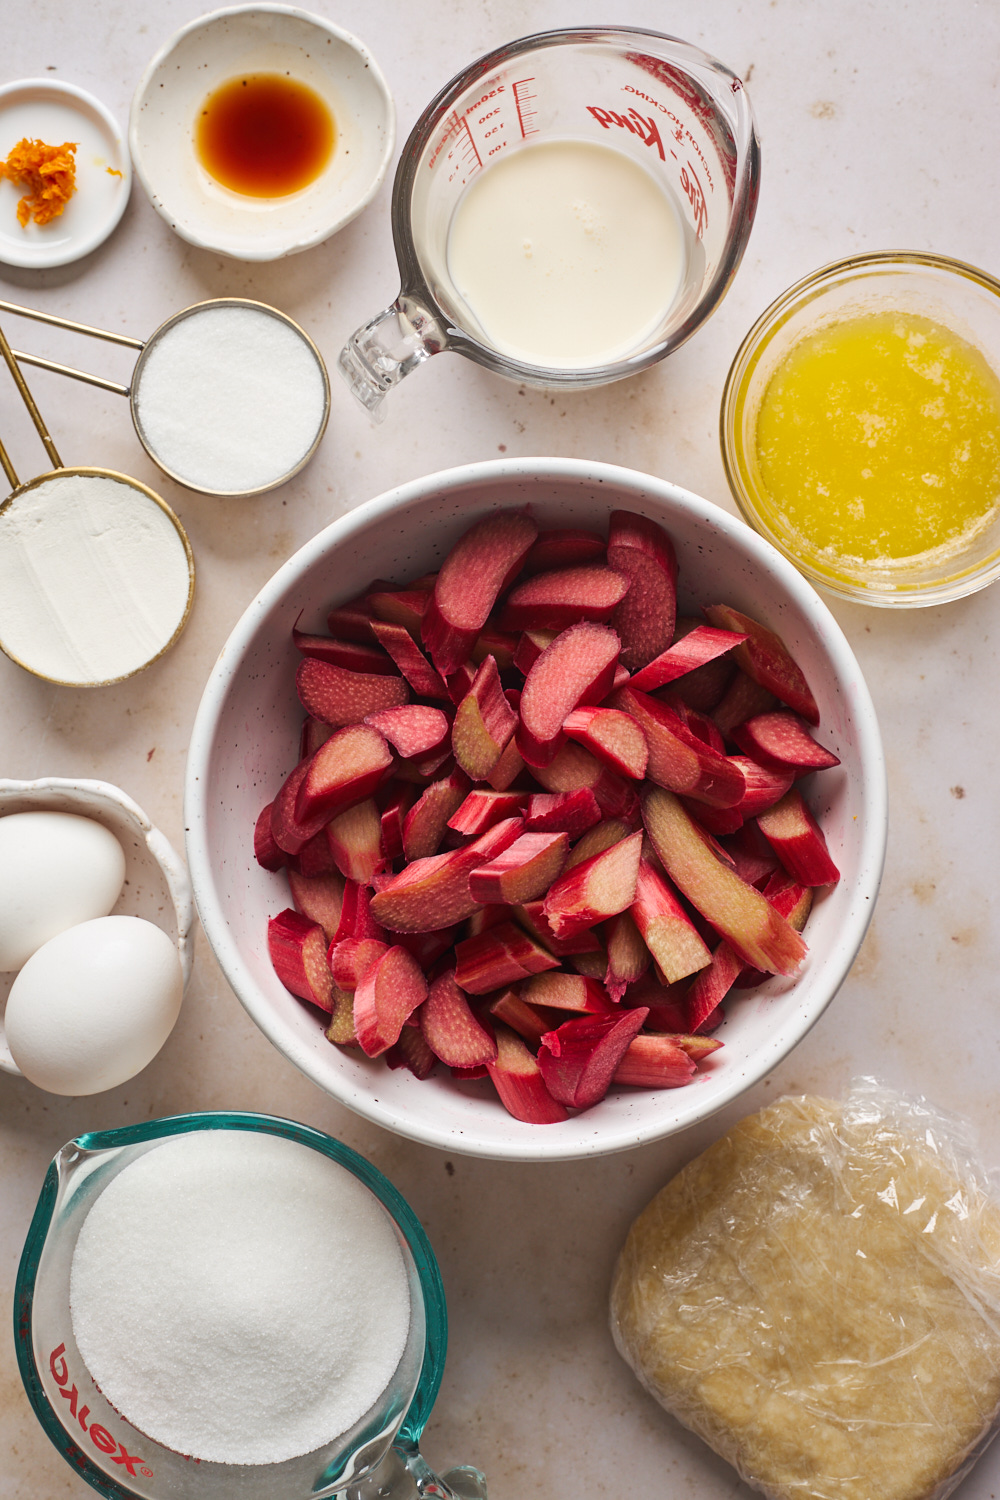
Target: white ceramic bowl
pixel 156 881
pixel 208 52
pixel 246 736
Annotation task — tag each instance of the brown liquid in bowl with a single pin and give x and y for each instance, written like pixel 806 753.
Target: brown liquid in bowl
pixel 264 135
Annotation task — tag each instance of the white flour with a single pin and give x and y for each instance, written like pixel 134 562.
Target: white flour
pixel 230 399
pixel 238 1297
pixel 94 579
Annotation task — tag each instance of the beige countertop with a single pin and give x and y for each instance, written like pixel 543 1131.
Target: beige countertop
pixel 878 125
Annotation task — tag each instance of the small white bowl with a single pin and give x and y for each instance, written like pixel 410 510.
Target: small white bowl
pixel 245 741
pixel 156 882
pixel 47 110
pixel 210 51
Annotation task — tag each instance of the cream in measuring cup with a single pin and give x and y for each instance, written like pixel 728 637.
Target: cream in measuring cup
pixel 566 212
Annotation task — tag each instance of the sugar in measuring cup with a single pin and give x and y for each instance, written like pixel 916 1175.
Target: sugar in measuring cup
pixel 566 211
pixel 228 397
pixel 84 1245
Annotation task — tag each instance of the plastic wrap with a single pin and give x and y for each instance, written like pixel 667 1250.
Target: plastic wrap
pixel 818 1297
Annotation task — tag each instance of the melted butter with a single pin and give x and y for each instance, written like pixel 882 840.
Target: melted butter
pixel 878 440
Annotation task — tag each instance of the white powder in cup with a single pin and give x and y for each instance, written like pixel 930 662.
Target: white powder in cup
pixel 239 1297
pixel 94 578
pixel 230 399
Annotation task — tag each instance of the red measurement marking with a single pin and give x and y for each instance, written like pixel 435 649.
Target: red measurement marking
pixel 524 98
pixel 471 143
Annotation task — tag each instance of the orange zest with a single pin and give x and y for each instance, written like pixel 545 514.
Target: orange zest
pixel 49 175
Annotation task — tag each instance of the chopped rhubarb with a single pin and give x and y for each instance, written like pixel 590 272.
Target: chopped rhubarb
pixel 426 821
pixel 507 769
pixel 351 958
pixel 798 840
pixel 628 956
pixel 530 646
pixel 297 948
pixel 577 669
pixel 356 920
pixel 451 1030
pixel 710 987
pixel 655 1062
pixel 564 548
pixel 598 888
pixel 517 1078
pixel 319 897
pixel 527 1020
pixel 553 601
pixel 696 649
pixel 434 892
pixel 501 956
pixel 531 916
pixel 389 993
pixel 340 1027
pixel 404 607
pixel 579 1059
pixel 484 723
pixel 678 759
pixel 574 769
pixel 314 732
pixel 523 872
pixel 782 739
pixel 473 575
pixel 398 803
pixel 345 769
pixel 266 851
pixel 574 992
pixel 597 839
pixel 482 809
pixel 411 661
pixel 411 1051
pixel 496 643
pixel 351 655
pixel 613 736
pixel 644 620
pixel 339 696
pixel 413 729
pixel 742 699
pixel 562 812
pixel 666 929
pixel 765 658
pixel 351 621
pixel 355 840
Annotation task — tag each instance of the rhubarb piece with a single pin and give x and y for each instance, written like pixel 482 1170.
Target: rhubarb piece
pixel 344 770
pixel 576 670
pixel 340 1028
pixel 523 872
pixel 644 620
pixel 696 649
pixel 701 726
pixel 388 994
pixel 710 987
pixel 765 658
pixel 428 947
pixel 485 917
pixel 562 812
pixel 507 769
pixel 404 607
pixel 433 893
pixel 737 911
pixel 355 840
pixel 751 856
pixel 793 901
pixel 765 785
pixel 460 681
pixel 356 919
pixel 564 548
pixel 412 730
pixel 351 958
pixel 297 948
pixel 781 739
pixel 496 643
pixel 288 832
pixel 451 1030
pixel 590 965
pixel 412 1051
pixel 574 992
pixel 315 856
pixel 410 660
pixel 351 621
pixel 501 956
pixel 628 956
pixel 351 655
pixel 678 759
pixel 613 736
pixel 597 839
pixel 427 819
pixel 598 888
pixel 530 647
pixel 266 851
pixel 531 916
pixel 314 733
pixel 339 697
pixel 655 1062
pixel 484 723
pixel 482 809
pixel 741 701
pixel 665 1003
pixel 798 840
pixel 574 769
pixel 579 1059
pixel 318 897
pixel 475 572
pixel 517 1079
pixel 553 601
pixel 666 929
pixel 523 1018
pixel 393 819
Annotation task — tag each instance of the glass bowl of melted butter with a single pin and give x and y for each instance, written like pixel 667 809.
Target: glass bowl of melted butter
pixel 861 428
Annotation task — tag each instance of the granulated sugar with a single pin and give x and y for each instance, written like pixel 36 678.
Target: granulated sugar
pixel 230 399
pixel 239 1297
pixel 94 578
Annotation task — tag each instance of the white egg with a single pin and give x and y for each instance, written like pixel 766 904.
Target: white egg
pixel 94 1005
pixel 56 869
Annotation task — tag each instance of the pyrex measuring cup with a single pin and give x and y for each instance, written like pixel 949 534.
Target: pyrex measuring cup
pixel 378 1459
pixel 272 426
pixel 677 112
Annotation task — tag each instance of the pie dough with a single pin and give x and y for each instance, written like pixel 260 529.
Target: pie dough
pixel 818 1297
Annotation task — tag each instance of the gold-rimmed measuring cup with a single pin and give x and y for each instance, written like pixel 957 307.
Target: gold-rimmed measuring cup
pixel 146 348
pixel 88 478
pixel 680 114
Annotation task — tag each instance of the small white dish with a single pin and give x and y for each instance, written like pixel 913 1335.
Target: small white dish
pixel 207 53
pixel 156 880
pixel 47 110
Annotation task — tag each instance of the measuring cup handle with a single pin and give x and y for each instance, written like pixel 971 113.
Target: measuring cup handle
pixel 403 1475
pixel 381 352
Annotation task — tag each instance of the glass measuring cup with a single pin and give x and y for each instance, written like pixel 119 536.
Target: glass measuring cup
pixel 679 113
pixel 378 1459
pixel 310 363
